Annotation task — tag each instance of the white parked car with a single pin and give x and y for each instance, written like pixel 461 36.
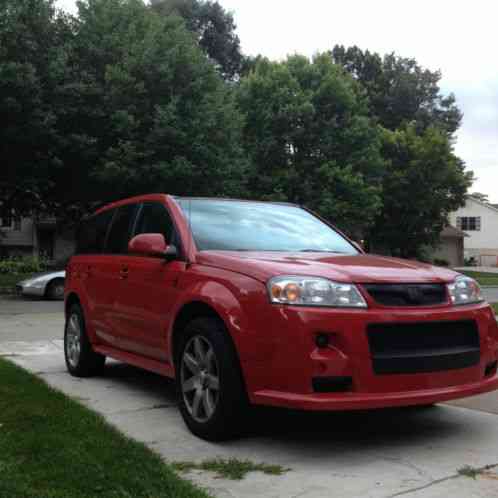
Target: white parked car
pixel 49 285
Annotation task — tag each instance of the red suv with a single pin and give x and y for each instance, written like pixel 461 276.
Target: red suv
pixel 265 303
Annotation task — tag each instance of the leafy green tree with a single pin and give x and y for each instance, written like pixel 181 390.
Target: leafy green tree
pixel 400 91
pixel 423 183
pixel 310 140
pixel 214 29
pixel 115 102
pixel 32 45
pixel 157 115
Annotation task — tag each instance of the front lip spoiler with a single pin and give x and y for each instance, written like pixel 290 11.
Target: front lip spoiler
pixel 367 401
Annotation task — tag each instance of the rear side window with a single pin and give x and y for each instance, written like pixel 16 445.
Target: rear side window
pixel 92 232
pixel 154 218
pixel 120 232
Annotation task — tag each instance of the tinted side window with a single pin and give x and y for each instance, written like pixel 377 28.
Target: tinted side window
pixel 92 232
pixel 120 233
pixel 154 218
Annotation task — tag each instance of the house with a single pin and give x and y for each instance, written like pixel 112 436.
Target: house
pixel 480 222
pixel 35 236
pixel 451 247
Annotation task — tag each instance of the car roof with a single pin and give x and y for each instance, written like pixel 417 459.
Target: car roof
pixel 162 197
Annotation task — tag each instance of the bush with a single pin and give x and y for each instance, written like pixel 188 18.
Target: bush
pixel 29 264
pixel 441 262
pixel 472 261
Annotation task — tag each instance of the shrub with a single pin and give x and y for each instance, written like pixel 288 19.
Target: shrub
pixel 441 262
pixel 29 264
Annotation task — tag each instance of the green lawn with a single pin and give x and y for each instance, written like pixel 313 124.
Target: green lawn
pixel 495 307
pixel 10 280
pixel 52 447
pixel 482 277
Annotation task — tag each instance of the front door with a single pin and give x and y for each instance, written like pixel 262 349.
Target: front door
pixel 148 289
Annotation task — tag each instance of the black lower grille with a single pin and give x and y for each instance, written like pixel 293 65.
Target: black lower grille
pixel 407 294
pixel 332 384
pixel 423 347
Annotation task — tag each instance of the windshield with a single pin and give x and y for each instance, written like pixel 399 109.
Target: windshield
pixel 257 226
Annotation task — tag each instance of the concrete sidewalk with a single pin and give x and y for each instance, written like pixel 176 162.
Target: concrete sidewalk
pixel 411 452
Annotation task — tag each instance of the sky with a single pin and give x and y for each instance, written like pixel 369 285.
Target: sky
pixel 457 37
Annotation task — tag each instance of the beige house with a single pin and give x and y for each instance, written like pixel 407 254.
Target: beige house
pixel 451 248
pixel 479 221
pixel 35 236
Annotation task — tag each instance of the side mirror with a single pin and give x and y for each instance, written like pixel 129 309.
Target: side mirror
pixel 151 244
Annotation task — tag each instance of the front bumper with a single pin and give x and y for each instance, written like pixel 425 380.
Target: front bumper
pixel 354 401
pixel 280 370
pixel 31 290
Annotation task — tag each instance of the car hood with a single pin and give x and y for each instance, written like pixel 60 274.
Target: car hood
pixel 361 268
pixel 48 275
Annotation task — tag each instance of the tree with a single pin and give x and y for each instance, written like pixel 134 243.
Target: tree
pixel 214 29
pixel 310 140
pixel 116 102
pixel 423 183
pixel 400 91
pixel 33 40
pixel 156 114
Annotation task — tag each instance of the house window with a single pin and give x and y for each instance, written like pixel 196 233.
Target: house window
pixel 469 223
pixel 17 224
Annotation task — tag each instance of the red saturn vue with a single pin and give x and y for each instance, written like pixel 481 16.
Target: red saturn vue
pixel 253 303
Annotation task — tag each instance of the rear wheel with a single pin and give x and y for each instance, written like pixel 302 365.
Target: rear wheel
pixel 55 289
pixel 81 359
pixel 212 396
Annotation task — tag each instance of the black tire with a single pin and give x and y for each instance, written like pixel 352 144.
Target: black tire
pixel 55 289
pixel 231 407
pixel 87 363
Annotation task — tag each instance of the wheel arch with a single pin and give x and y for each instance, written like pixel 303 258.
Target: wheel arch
pixel 188 312
pixel 197 309
pixel 71 298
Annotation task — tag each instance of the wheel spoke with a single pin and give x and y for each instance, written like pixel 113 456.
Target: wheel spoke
pixel 213 382
pixel 196 403
pixel 199 351
pixel 207 402
pixel 191 363
pixel 190 384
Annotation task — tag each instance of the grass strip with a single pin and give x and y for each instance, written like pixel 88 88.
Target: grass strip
pixel 482 277
pixel 230 469
pixel 53 447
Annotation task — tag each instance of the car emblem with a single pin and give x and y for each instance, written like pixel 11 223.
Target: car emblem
pixel 414 293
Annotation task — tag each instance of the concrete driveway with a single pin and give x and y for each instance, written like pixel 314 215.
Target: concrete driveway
pixel 411 452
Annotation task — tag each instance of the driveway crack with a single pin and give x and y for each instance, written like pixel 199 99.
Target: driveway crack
pixel 439 481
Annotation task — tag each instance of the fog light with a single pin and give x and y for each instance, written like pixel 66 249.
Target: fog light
pixel 322 340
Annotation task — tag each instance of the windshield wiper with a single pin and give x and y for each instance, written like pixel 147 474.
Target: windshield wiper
pixel 321 250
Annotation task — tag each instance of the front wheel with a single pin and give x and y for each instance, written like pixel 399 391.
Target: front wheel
pixel 81 359
pixel 211 391
pixel 55 290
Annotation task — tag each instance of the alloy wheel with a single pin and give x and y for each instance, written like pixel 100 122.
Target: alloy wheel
pixel 73 340
pixel 200 382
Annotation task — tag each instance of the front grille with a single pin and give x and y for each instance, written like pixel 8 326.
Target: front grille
pixel 398 348
pixel 407 294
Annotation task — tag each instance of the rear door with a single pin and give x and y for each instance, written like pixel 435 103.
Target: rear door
pixel 149 289
pixel 90 264
pixel 112 273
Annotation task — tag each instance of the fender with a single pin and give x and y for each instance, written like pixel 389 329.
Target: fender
pixel 225 300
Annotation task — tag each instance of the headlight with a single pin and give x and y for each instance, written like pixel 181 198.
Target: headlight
pixel 465 290
pixel 314 291
pixel 35 282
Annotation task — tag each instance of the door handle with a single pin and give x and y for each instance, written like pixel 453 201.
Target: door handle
pixel 123 273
